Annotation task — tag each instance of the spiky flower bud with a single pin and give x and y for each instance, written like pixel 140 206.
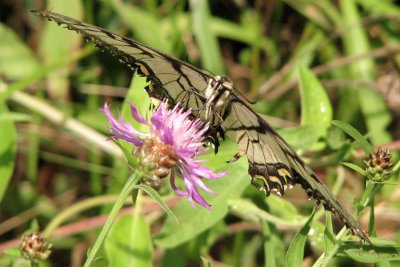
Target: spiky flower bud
pixel 378 166
pixel 34 246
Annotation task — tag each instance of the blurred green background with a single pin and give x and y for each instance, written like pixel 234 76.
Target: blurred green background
pixel 53 149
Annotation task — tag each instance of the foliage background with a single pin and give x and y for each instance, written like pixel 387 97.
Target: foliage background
pixel 59 174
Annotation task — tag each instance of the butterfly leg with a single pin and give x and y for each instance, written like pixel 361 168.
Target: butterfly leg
pixel 237 156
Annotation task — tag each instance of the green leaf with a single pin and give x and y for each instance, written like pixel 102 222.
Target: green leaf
pixel 385 250
pixel 295 253
pixel 13 252
pixel 356 42
pixel 208 44
pixel 153 193
pixel 8 147
pixel 156 31
pixel 302 137
pixel 355 167
pixel 129 242
pixel 15 117
pixel 206 263
pixel 282 207
pixel 273 245
pixel 56 43
pixel 311 12
pixel 384 8
pixel 316 108
pixel 16 59
pixel 329 236
pixel 248 208
pixel 356 135
pixel 195 220
pixel 137 96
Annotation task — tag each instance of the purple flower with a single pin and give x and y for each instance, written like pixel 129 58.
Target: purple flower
pixel 171 148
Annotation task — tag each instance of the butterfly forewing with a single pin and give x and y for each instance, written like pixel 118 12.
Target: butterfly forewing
pixel 170 77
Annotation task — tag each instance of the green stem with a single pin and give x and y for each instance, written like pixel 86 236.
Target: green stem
pixel 128 187
pixel 325 258
pixel 369 194
pixel 76 209
pixel 371 225
pixel 269 246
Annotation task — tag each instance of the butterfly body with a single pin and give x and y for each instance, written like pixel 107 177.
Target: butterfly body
pixel 273 165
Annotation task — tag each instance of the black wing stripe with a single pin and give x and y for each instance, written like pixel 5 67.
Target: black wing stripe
pixel 277 155
pixel 135 54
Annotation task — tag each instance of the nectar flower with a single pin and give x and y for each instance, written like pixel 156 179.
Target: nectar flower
pixel 170 148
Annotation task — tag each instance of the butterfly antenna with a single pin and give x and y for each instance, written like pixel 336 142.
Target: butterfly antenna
pixel 244 97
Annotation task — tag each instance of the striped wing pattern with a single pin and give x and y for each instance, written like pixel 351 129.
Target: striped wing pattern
pixel 170 77
pixel 273 165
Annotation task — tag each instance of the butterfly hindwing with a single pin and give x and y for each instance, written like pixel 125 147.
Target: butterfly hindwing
pixel 274 165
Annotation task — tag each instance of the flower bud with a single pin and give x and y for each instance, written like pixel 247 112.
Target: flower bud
pixel 378 166
pixel 34 246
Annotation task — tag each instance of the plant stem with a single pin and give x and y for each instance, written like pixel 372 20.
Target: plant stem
pixel 127 189
pixel 325 258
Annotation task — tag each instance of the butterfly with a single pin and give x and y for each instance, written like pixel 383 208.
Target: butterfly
pixel 273 165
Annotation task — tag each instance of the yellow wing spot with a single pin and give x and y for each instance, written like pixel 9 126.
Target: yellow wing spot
pixel 264 181
pixel 277 185
pixel 275 179
pixel 284 173
pixel 144 70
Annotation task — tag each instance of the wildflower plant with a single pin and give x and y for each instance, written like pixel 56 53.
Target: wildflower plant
pixel 170 148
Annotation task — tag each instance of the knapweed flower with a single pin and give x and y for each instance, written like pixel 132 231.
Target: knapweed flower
pixel 378 166
pixel 34 246
pixel 170 148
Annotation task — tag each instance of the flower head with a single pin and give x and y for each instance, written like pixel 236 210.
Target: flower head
pixel 379 168
pixel 170 148
pixel 34 246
